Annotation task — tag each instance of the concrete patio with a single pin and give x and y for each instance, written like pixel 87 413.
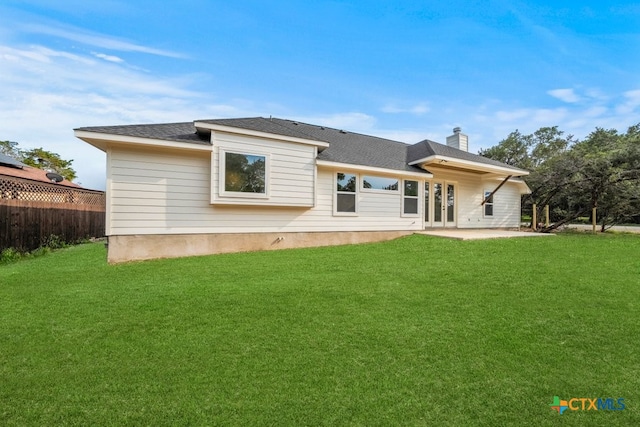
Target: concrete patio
pixel 478 234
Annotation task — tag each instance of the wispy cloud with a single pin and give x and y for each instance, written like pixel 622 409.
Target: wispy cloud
pixel 110 58
pixel 417 109
pixel 631 102
pixel 566 95
pixel 96 40
pixel 355 121
pixel 60 91
pixel 609 111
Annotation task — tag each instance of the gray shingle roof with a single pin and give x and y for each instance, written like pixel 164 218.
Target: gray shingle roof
pixel 261 124
pixel 344 147
pixel 182 132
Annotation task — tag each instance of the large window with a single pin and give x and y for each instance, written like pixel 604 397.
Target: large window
pixel 410 198
pixel 488 206
pixel 244 175
pixel 346 194
pixel 379 183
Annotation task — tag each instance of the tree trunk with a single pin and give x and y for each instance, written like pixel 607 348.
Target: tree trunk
pixel 562 222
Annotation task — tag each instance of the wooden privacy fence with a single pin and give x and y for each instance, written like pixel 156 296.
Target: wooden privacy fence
pixel 31 212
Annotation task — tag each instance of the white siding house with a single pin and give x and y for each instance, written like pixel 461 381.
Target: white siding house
pixel 248 184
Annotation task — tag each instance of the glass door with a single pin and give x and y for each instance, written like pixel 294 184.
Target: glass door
pixel 451 206
pixel 439 204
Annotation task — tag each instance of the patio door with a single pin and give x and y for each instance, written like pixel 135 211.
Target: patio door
pixel 440 204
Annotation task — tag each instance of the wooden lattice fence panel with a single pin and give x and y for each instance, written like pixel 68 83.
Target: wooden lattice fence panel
pixel 31 212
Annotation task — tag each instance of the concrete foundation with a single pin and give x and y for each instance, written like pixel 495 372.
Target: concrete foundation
pixel 142 247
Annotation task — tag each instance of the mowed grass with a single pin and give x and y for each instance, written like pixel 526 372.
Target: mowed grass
pixel 417 331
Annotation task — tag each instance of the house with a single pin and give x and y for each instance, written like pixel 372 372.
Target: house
pixel 227 185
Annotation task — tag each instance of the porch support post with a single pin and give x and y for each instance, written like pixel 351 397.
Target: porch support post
pixel 546 215
pixel 486 199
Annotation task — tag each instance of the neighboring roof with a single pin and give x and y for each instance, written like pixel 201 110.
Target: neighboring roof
pixel 10 161
pixel 33 174
pixel 182 132
pixel 427 148
pixel 344 147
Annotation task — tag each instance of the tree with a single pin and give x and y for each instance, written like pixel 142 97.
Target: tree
pixel 513 150
pixel 573 177
pixel 529 151
pixel 10 148
pixel 47 160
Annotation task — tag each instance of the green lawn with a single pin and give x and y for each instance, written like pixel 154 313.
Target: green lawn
pixel 417 331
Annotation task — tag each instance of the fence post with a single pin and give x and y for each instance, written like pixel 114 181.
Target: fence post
pixel 594 222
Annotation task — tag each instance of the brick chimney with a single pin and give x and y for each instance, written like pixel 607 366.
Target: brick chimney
pixel 458 140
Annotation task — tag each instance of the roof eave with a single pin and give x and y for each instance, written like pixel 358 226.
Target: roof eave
pixel 372 169
pixel 103 140
pixel 467 164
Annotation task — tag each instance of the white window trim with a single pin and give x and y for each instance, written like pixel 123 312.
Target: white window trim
pixel 377 190
pixel 485 193
pixel 336 192
pixel 237 194
pixel 420 200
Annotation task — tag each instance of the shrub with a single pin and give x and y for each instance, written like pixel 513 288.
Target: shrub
pixel 9 255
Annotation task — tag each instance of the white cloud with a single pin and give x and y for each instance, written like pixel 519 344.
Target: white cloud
pixel 608 111
pixel 110 58
pixel 354 121
pixel 511 116
pixel 565 95
pixel 46 93
pixel 408 136
pixel 631 103
pixel 97 40
pixel 418 109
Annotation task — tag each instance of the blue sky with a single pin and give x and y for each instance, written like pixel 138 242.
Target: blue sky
pixel 405 70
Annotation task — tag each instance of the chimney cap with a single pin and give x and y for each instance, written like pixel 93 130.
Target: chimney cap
pixel 457 129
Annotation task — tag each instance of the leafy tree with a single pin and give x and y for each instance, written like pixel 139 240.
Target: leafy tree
pixel 602 171
pixel 529 151
pixel 39 158
pixel 513 150
pixel 43 159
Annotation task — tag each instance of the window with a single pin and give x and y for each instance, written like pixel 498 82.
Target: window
pixel 379 183
pixel 488 206
pixel 410 199
pixel 243 175
pixel 346 193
